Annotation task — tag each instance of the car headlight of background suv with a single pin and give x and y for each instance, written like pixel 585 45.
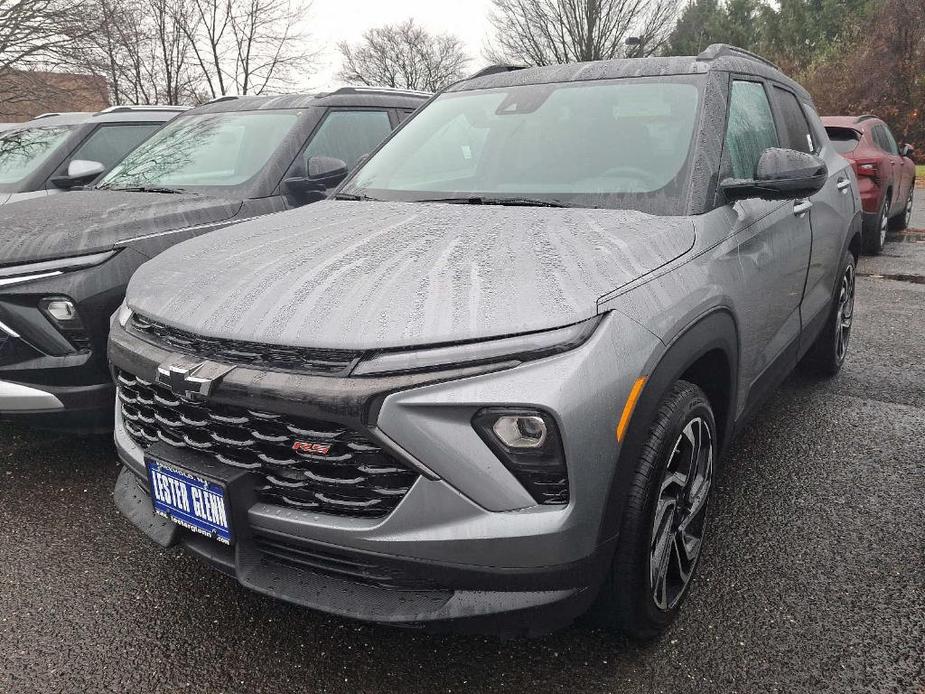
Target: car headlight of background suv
pixel 515 348
pixel 60 311
pixel 17 274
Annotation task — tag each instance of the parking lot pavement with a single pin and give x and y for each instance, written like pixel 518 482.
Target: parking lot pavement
pixel 812 579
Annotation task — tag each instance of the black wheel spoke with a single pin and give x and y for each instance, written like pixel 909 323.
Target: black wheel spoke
pixel 845 313
pixel 678 523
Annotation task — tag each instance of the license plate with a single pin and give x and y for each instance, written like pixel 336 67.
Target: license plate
pixel 195 503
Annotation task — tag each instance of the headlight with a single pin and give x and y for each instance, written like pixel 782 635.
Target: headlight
pixel 16 274
pixel 516 348
pixel 123 313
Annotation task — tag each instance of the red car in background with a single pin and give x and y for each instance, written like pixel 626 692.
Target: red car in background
pixel 886 174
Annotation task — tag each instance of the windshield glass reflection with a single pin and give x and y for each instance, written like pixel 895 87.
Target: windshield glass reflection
pixel 213 149
pixel 25 150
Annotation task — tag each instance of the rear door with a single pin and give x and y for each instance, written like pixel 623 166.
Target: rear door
pixel 832 207
pixel 889 172
pixel 903 172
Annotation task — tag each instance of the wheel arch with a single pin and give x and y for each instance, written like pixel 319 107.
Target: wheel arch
pixel 706 353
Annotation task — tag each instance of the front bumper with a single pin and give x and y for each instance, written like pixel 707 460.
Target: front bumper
pixel 467 545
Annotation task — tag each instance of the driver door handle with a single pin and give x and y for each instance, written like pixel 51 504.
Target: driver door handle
pixel 843 185
pixel 801 207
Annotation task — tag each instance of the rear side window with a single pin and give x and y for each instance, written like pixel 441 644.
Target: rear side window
pixel 844 140
pixel 751 129
pixel 888 140
pixel 110 143
pixel 795 132
pixel 884 140
pixel 348 135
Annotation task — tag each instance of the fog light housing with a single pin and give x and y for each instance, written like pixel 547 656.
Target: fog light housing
pixel 528 444
pixel 61 310
pixel 63 314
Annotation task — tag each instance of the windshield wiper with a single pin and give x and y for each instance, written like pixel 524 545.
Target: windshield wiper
pixel 142 189
pixel 511 202
pixel 355 196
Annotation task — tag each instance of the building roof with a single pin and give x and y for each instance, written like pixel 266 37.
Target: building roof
pixel 25 95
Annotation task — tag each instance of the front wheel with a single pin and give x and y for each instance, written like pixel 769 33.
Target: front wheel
pixel 828 353
pixel 665 517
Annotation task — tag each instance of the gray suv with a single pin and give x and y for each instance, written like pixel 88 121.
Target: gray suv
pixel 487 386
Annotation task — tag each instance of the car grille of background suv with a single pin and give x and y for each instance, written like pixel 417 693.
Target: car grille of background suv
pixel 318 362
pixel 355 478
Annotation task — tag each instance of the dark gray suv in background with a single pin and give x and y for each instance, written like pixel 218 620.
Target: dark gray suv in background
pixel 487 386
pixel 65 261
pixel 56 152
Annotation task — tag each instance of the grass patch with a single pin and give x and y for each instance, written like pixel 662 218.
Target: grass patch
pixel 920 172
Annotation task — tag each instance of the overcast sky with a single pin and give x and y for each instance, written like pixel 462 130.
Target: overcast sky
pixel 346 20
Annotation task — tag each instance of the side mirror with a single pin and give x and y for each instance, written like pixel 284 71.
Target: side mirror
pixel 323 173
pixel 781 174
pixel 326 171
pixel 80 172
pixel 907 150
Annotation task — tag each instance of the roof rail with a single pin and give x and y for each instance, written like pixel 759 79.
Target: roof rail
pixel 381 90
pixel 496 69
pixel 223 97
pixel 127 108
pixel 866 116
pixel 718 50
pixel 50 114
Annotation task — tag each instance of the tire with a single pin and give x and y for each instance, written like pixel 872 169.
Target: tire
pixel 634 599
pixel 827 355
pixel 901 221
pixel 875 238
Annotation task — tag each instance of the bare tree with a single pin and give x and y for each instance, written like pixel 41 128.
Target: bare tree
pixel 141 46
pixel 37 33
pixel 403 55
pixel 544 32
pixel 250 46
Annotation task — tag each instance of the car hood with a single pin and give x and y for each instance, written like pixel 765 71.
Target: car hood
pixel 363 275
pixel 91 221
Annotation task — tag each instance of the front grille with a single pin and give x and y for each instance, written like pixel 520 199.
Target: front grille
pixel 354 477
pixel 349 567
pixel 318 362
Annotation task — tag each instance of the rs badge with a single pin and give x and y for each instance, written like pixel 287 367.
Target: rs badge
pixel 311 447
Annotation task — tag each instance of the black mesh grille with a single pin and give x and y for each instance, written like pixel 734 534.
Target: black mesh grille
pixel 320 362
pixel 348 567
pixel 340 472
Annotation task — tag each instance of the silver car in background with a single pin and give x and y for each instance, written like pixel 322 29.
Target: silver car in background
pixel 486 386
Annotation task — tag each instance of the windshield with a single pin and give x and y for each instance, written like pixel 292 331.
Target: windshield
pixel 614 143
pixel 211 149
pixel 25 150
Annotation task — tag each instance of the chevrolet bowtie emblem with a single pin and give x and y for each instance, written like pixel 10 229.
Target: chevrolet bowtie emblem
pixel 190 379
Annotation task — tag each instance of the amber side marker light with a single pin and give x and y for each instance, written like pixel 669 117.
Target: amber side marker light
pixel 628 408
